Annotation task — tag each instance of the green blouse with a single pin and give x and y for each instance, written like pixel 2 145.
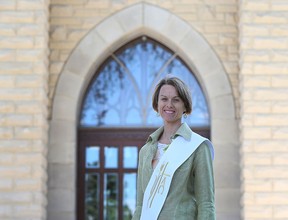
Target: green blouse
pixel 191 194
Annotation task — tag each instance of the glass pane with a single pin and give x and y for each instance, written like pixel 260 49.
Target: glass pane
pixel 130 157
pixel 129 195
pixel 93 157
pixel 91 197
pixel 200 115
pixel 144 59
pixel 111 157
pixel 132 73
pixel 102 105
pixel 111 196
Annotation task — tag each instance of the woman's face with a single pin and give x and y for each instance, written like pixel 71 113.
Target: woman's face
pixel 170 105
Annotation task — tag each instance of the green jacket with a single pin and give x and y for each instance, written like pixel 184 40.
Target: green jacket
pixel 191 194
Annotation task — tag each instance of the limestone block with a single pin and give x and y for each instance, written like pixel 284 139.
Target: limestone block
pixel 7 107
pixel 29 107
pixel 62 11
pixel 30 55
pixel 30 30
pixel 280 211
pixel 7 81
pixel 270 198
pixel 280 159
pixel 64 108
pixel 19 17
pixel 258 159
pixel 7 55
pixel 257 186
pixel 155 18
pixel 257 107
pixel 280 133
pixel 12 197
pixel 272 172
pixel 176 29
pixel 76 35
pixel 218 87
pixel 28 133
pixel 67 153
pixel 16 42
pixel 23 171
pixel 16 120
pixel 268 43
pixel 280 185
pixel 61 175
pixel 28 81
pixel 6 133
pixel 69 85
pixel 225 201
pixel 64 200
pixel 279 107
pixel 271 95
pixel 67 21
pixel 279 56
pixel 268 18
pixel 271 120
pixel 28 211
pixel 224 105
pixel 6 5
pixel 131 18
pixel 256 132
pixel 8 29
pixel 230 136
pixel 259 81
pixel 24 184
pixel 56 67
pixel 270 146
pixel 16 68
pixel 59 33
pixel 80 61
pixel 110 30
pixel 62 131
pixel 226 171
pixel 279 81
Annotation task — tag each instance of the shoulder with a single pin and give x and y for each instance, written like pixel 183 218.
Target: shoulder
pixel 146 149
pixel 205 150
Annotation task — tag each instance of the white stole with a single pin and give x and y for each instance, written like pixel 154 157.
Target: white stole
pixel 157 189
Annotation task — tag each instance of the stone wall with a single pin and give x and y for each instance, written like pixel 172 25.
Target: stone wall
pixel 216 20
pixel 263 84
pixel 23 108
pixel 185 29
pixel 249 37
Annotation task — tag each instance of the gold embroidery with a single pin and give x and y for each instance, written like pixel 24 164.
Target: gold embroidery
pixel 159 184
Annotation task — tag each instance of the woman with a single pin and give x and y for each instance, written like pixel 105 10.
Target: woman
pixel 175 174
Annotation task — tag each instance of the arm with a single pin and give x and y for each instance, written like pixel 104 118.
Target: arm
pixel 140 192
pixel 204 183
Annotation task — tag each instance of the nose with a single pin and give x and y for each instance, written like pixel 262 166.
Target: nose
pixel 169 104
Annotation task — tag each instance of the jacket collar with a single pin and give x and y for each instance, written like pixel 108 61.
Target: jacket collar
pixel 183 131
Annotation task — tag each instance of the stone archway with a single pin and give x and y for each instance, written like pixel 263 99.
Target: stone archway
pixel 89 54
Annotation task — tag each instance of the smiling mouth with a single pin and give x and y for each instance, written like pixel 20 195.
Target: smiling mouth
pixel 168 112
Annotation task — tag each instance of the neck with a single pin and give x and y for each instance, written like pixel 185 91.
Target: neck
pixel 169 131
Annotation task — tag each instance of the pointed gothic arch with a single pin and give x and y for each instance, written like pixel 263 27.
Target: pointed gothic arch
pixel 118 29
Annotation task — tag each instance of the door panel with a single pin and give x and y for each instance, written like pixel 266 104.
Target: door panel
pixel 107 172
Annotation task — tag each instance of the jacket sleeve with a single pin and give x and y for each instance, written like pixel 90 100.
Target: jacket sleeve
pixel 140 192
pixel 204 183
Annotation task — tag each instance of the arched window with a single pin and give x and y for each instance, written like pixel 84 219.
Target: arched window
pixel 116 119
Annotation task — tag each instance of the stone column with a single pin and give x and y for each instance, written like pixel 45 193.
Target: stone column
pixel 264 108
pixel 23 108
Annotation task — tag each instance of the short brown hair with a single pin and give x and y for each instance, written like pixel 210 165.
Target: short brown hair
pixel 181 88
